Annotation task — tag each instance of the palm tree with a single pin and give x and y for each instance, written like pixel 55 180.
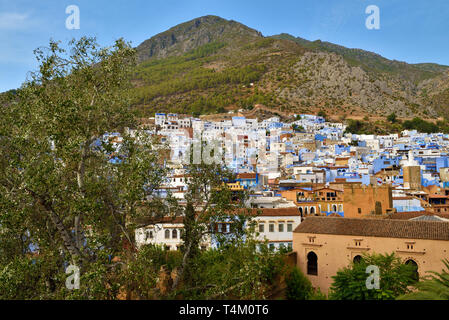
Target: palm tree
pixel 435 287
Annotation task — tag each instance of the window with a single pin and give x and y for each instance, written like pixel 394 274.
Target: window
pixel 281 227
pixel 271 227
pixel 312 263
pixel 168 248
pixel 149 235
pixel 415 269
pixel 289 227
pixel 271 246
pixel 359 210
pixel 174 234
pixel 167 234
pixel 357 259
pixel 261 227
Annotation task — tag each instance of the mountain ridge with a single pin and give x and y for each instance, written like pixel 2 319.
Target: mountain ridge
pixel 198 31
pixel 213 65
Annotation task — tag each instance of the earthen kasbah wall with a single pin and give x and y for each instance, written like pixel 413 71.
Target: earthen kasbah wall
pixel 360 200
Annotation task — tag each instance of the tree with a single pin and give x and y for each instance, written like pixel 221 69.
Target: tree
pixel 209 201
pixel 298 286
pixel 321 113
pixel 297 127
pixel 74 181
pixel 433 287
pixel 420 125
pixel 355 127
pixel 350 282
pixel 67 191
pixel 392 117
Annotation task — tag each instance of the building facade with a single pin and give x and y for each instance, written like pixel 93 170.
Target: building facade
pixel 324 244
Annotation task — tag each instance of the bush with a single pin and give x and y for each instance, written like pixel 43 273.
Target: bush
pixel 392 117
pixel 395 277
pixel 298 286
pixel 420 125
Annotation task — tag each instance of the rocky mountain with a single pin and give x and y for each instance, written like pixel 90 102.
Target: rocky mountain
pixel 193 34
pixel 211 65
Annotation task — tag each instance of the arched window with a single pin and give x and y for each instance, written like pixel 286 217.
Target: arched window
pixel 305 210
pixel 149 235
pixel 334 207
pixel 174 234
pixel 300 210
pixel 312 263
pixel 357 259
pixel 167 234
pixel 312 210
pixel 415 269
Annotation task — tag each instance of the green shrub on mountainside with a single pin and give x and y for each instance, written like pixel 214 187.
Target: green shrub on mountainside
pixel 420 125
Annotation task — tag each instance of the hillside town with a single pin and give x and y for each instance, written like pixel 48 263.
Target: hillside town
pixel 324 195
pixel 215 159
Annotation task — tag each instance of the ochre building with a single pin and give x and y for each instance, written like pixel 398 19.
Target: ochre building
pixel 326 244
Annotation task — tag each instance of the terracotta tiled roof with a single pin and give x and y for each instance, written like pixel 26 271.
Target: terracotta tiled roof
pixel 273 212
pixel 246 176
pixel 384 228
pixel 413 214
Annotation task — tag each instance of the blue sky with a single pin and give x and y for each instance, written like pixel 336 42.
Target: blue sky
pixel 412 31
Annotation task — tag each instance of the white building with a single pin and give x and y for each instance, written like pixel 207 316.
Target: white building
pixel 276 226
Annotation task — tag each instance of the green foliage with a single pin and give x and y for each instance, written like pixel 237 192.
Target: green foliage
pixel 350 282
pixel 420 125
pixel 264 43
pixel 443 126
pixel 318 295
pixel 20 279
pixel 298 286
pixel 321 113
pixel 433 287
pixel 296 127
pixel 267 99
pixel 58 190
pixel 241 270
pixel 207 80
pixel 188 75
pixel 141 273
pixel 206 50
pixel 358 127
